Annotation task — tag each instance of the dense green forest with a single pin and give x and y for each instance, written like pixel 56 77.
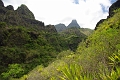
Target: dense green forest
pixel 33 53
pixel 27 47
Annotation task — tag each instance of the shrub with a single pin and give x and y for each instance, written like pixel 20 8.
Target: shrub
pixel 14 71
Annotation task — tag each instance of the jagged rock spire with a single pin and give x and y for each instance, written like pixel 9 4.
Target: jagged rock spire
pixel 73 24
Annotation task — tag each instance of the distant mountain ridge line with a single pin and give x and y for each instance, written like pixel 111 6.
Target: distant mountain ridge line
pixel 61 27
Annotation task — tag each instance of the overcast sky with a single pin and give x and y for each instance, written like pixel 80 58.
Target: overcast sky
pixel 86 12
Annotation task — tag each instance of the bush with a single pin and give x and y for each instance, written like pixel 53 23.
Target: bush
pixel 14 71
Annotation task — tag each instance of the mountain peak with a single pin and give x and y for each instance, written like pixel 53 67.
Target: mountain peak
pixel 1 3
pixel 60 27
pixel 74 20
pixel 10 7
pixel 73 24
pixel 23 9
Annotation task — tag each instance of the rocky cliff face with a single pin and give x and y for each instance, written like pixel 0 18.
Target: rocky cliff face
pixel 25 12
pixel 113 7
pixel 21 17
pixel 10 7
pixel 73 24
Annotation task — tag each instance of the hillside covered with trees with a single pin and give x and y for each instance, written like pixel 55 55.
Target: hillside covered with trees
pixel 38 52
pixel 96 58
pixel 26 42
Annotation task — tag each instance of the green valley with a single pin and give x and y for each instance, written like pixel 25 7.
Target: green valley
pixel 29 50
pixel 26 42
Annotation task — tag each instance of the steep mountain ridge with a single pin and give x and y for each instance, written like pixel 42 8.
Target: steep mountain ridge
pixel 26 43
pixel 112 9
pixel 25 12
pixel 97 58
pixel 21 17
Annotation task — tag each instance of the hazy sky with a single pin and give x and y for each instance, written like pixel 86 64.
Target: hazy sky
pixel 86 12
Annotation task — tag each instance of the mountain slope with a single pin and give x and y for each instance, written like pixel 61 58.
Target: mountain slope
pixel 96 58
pixel 73 36
pixel 26 43
pixel 112 9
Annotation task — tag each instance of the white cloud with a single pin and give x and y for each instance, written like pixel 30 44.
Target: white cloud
pixel 87 12
pixel 15 3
